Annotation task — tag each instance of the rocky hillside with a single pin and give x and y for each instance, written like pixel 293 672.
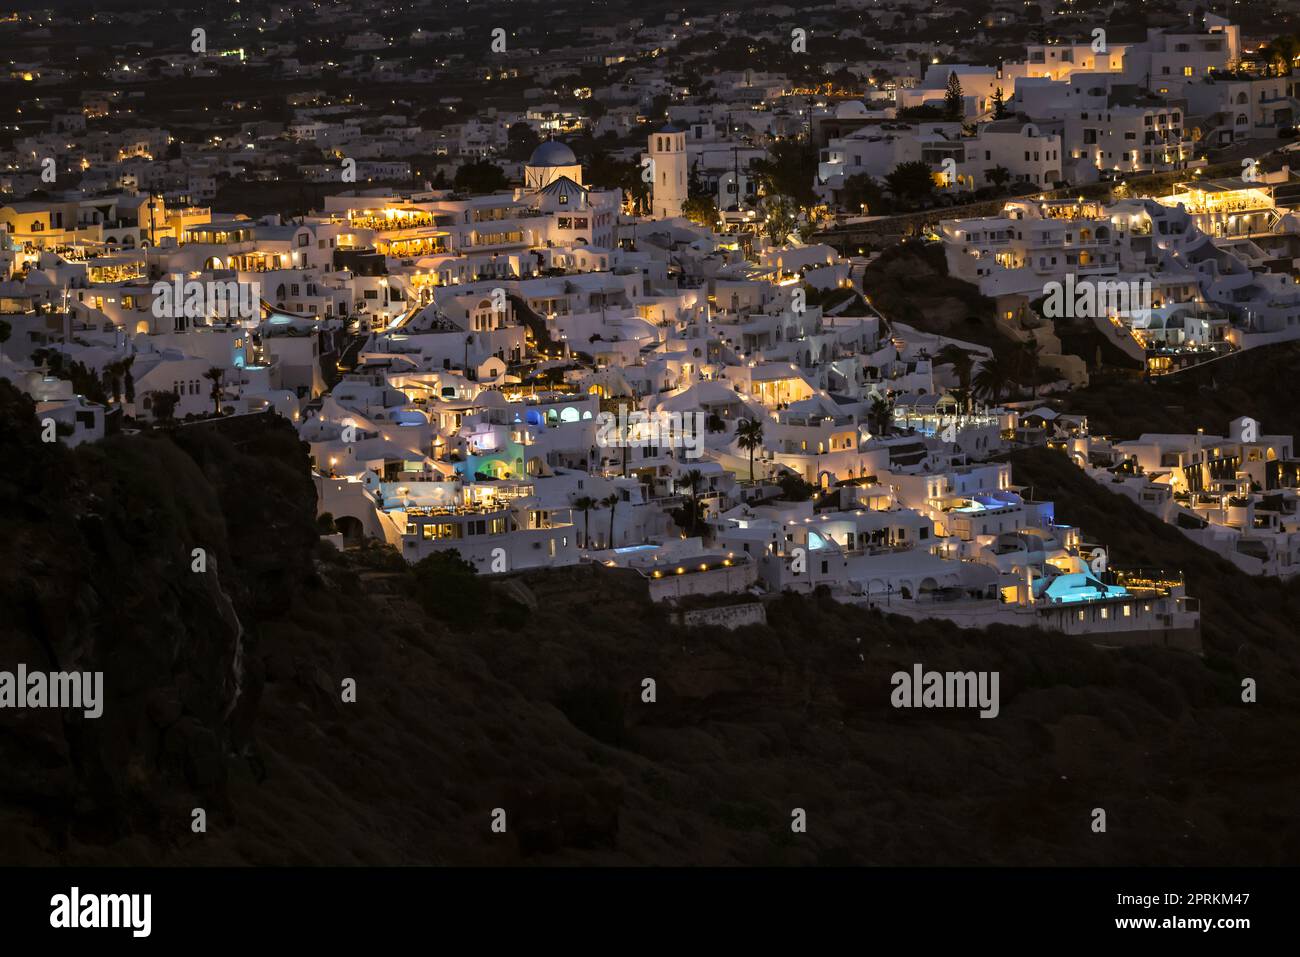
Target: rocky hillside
pixel 224 691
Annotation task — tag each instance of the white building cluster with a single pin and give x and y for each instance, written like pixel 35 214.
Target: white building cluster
pixel 1235 494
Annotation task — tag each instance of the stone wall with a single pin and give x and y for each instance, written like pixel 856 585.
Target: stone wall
pixel 725 616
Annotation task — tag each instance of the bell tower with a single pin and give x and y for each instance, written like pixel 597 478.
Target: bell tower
pixel 668 151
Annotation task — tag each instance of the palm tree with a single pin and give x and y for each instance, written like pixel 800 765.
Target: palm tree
pixel 164 405
pixel 961 362
pixel 749 435
pixel 585 504
pixel 128 380
pixel 692 481
pixel 1027 362
pixel 998 176
pixel 992 378
pixel 610 502
pixel 113 378
pixel 216 374
pixel 880 414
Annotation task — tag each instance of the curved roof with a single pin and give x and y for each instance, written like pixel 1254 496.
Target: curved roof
pixel 552 153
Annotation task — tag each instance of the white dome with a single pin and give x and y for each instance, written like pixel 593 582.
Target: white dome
pixel 553 153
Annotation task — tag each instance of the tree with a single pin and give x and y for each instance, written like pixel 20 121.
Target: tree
pixel 610 502
pixel 863 193
pixel 450 589
pixel 998 176
pixel 163 405
pixel 701 210
pixel 605 172
pixel 954 101
pixel 584 504
pixel 480 176
pixel 113 380
pixel 992 379
pixel 999 105
pixel 749 435
pixel 880 415
pixel 780 218
pixel 215 375
pixel 789 169
pixel 911 181
pixel 794 488
pixel 925 111
pixel 1027 362
pixel 1284 50
pixel 521 140
pixel 128 380
pixel 961 362
pixel 692 481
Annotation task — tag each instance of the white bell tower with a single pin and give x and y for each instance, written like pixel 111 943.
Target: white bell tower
pixel 668 151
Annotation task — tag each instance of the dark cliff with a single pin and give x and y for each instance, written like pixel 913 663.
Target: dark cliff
pixel 223 691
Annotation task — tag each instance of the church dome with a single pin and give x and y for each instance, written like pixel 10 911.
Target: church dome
pixel 553 153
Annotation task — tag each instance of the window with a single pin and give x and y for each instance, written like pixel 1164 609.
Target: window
pixel 436 531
